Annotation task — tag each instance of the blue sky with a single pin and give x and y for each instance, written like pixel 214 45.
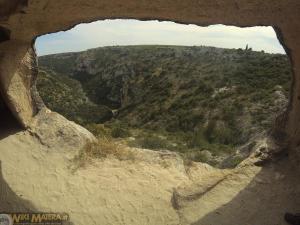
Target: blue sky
pixel 134 32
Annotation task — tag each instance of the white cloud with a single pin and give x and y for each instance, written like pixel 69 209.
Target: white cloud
pixel 133 32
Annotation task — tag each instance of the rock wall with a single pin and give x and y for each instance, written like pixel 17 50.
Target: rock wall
pixel 21 21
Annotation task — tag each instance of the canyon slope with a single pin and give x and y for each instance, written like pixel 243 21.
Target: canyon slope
pixel 191 99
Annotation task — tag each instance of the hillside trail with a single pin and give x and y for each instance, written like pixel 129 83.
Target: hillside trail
pixel 153 188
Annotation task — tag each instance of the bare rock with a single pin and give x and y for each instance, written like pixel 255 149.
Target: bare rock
pixel 55 131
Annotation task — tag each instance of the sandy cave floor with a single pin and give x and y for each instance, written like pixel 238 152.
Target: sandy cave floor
pixel 153 189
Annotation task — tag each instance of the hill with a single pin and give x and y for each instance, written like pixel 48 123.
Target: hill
pixel 204 102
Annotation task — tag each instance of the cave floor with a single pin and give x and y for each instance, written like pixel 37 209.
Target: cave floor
pixel 153 189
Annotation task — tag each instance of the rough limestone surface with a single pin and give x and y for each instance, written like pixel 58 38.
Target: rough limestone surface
pixel 35 168
pixel 55 131
pixel 151 188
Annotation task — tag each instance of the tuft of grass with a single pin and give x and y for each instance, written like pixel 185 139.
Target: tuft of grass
pixel 102 148
pixel 151 142
pixel 99 130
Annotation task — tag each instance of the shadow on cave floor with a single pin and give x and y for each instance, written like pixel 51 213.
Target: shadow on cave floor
pixel 8 124
pixel 10 201
pixel 272 192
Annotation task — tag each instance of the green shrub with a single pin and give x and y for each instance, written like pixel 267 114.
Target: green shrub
pixel 197 140
pixel 99 130
pixel 209 132
pixel 196 156
pixel 152 142
pixel 232 161
pixel 120 132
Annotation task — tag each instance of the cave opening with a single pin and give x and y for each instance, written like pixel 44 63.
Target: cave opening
pixel 165 87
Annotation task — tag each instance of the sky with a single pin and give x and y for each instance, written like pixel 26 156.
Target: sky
pixel 134 32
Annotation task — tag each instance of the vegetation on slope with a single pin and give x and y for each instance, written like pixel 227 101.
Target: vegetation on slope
pixel 186 99
pixel 66 96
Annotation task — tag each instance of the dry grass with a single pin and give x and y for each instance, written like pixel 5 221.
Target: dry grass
pixel 102 148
